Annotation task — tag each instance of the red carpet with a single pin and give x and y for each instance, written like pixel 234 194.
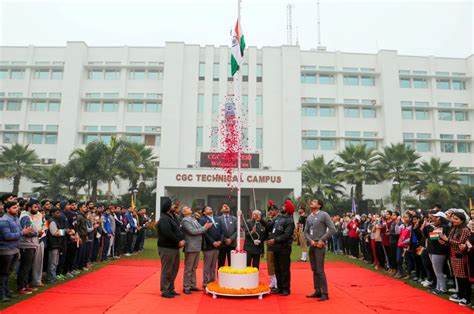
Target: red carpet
pixel 132 286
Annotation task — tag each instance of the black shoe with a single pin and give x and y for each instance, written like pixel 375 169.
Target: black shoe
pixel 285 293
pixel 187 291
pixel 276 291
pixel 172 292
pixel 314 295
pixel 167 295
pixel 196 289
pixel 324 297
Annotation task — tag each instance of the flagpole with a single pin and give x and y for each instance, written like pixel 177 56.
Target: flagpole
pixel 238 100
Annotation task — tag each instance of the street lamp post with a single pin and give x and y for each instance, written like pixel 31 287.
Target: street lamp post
pixel 395 183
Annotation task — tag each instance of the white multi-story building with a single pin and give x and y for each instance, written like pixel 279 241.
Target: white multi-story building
pixel 296 103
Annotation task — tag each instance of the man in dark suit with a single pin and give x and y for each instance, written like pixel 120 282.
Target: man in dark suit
pixel 213 239
pixel 255 233
pixel 229 229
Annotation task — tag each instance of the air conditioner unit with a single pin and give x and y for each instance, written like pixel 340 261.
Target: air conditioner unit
pixel 190 166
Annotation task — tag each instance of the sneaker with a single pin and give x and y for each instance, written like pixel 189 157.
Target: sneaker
pixel 437 292
pixel 69 275
pixel 31 289
pixel 5 299
pixel 24 291
pixel 426 283
pixel 453 290
pixel 127 254
pixel 455 298
pixel 60 277
pixel 464 302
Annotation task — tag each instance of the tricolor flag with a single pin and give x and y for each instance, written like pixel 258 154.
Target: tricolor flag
pixel 434 235
pixel 238 47
pixel 420 250
pixel 470 203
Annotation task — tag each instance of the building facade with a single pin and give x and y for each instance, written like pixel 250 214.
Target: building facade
pixel 296 104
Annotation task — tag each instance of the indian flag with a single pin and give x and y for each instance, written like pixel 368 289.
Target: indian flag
pixel 238 47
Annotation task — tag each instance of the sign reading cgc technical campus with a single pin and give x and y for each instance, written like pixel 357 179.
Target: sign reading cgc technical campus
pixel 218 160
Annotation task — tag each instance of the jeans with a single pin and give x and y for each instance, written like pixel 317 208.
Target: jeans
pixel 336 239
pixel 400 260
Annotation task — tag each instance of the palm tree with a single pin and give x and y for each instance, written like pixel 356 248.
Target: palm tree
pixel 137 163
pixel 113 164
pixel 358 165
pixel 320 180
pixel 436 172
pixel 91 160
pixel 399 163
pixel 16 162
pixel 53 180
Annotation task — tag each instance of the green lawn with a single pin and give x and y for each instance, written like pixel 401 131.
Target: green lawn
pixel 151 253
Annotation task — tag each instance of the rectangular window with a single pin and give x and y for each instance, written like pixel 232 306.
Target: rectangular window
pixel 137 75
pixel 200 103
pixel 259 138
pixel 422 104
pixel 35 138
pixel 422 115
pixel 423 147
pixel 57 75
pixel 327 100
pixel 41 75
pixel 309 111
pixel 368 113
pixel 326 79
pixel 423 135
pixel 153 107
pixel 93 107
pixel 327 144
pixel 17 74
pixel 351 80
pixel 136 95
pixel 38 106
pixel 215 103
pixel 133 129
pixel 327 111
pixel 310 133
pixel 464 147
pixel 53 106
pixel 445 115
pixel 447 147
pixel 444 104
pixel 35 127
pixel 202 71
pixel 135 138
pixel 351 113
pixel 135 107
pixel 367 81
pixel 52 127
pixel 370 144
pixel 112 74
pixel 259 72
pixel 96 75
pixel 3 74
pixel 89 138
pixel 351 101
pixel 109 107
pixel 352 133
pixel 443 84
pixel 51 139
pixel 420 83
pixel 153 75
pixel 308 78
pixel 352 142
pixel 259 104
pixel 325 133
pixel 245 103
pixel 459 85
pixel 199 137
pixel 245 72
pixel 214 137
pixel 405 83
pixel 461 116
pixel 10 138
pixel 13 105
pixel 310 144
pixel 406 103
pixel 215 72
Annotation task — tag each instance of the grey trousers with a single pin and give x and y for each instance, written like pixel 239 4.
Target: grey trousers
pixel 37 270
pixel 191 260
pixel 169 268
pixel 209 269
pixel 53 260
pixel 316 258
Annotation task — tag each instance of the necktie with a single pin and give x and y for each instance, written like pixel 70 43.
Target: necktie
pixel 226 221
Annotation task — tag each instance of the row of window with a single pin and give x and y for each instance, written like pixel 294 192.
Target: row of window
pixel 446 147
pixel 440 83
pixel 325 111
pixel 33 95
pixel 129 95
pixel 216 105
pixel 114 74
pixel 106 106
pixel 329 79
pixel 443 115
pixel 43 74
pixel 15 105
pixel 147 139
pixel 216 72
pixel 331 144
pixel 415 72
pixel 215 136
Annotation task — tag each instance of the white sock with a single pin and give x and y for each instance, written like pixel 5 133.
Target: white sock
pixel 303 256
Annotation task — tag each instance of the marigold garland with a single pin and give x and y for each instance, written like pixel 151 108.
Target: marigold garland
pixel 231 270
pixel 214 287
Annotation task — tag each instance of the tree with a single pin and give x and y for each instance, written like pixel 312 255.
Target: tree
pixel 54 182
pixel 358 165
pixel 399 163
pixel 113 164
pixel 16 162
pixel 319 180
pixel 137 163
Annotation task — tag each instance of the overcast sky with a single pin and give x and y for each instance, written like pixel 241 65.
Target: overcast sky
pixel 441 28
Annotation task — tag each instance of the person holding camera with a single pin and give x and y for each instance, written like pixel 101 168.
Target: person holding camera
pixel 254 238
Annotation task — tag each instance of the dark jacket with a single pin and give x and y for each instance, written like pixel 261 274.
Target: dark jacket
pixel 81 226
pixel 282 231
pixel 434 247
pixel 249 244
pixel 212 235
pixel 58 239
pixel 169 231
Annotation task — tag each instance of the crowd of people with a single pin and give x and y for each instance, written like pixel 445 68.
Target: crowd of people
pixel 46 241
pixel 433 248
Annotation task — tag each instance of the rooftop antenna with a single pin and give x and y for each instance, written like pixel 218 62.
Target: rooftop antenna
pixel 320 47
pixel 289 24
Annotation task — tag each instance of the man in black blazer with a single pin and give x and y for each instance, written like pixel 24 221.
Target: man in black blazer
pixel 229 228
pixel 213 239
